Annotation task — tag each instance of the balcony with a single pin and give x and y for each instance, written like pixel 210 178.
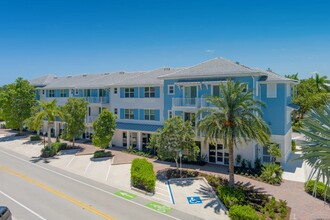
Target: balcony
pixel 97 100
pixel 90 119
pixel 190 103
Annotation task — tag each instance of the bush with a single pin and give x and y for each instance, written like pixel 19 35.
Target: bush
pixel 320 189
pixel 46 152
pixel 35 138
pixel 271 173
pixel 59 146
pixel 246 212
pixel 293 145
pixel 231 196
pixel 142 175
pixel 102 153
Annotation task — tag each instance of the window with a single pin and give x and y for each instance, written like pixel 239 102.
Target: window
pixel 87 92
pixel 115 90
pixel 129 113
pixel 102 92
pixel 149 92
pixel 170 114
pixel 149 114
pixel 51 93
pixel 171 90
pixel 76 91
pixel 246 88
pixel 129 92
pixel 271 90
pixel 116 111
pixel 89 111
pixel 63 93
pixel 43 92
pixel 216 91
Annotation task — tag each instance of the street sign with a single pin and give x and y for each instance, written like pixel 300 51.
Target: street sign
pixel 180 153
pixel 194 200
pixel 125 195
pixel 159 207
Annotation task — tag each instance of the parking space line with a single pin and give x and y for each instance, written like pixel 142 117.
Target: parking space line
pixel 17 202
pixel 161 188
pixel 170 192
pixel 106 178
pixel 70 162
pixel 90 162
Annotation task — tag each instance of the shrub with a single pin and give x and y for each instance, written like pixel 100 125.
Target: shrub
pixel 35 138
pixel 293 145
pixel 102 153
pixel 59 146
pixel 257 164
pixel 231 196
pixel 271 173
pixel 246 212
pixel 238 159
pixel 319 191
pixel 142 175
pixel 46 152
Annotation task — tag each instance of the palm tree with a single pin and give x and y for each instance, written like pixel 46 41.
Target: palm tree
pixel 316 148
pixel 235 118
pixel 48 111
pixel 292 76
pixel 321 82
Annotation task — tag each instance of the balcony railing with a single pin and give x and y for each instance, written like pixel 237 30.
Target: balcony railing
pixel 191 102
pixel 103 100
pixel 90 119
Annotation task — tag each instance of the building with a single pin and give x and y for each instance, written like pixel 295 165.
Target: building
pixel 143 100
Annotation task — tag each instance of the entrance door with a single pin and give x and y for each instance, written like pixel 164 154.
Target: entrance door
pixel 145 140
pixel 218 154
pixel 124 139
pixel 190 95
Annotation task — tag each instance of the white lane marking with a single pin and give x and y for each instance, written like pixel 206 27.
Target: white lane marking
pixel 90 162
pixel 86 184
pixel 14 200
pixel 161 188
pixel 108 173
pixel 70 162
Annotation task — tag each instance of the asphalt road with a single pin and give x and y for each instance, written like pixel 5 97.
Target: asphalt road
pixel 34 190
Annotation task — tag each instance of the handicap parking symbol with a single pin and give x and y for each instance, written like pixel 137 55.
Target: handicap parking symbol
pixel 194 200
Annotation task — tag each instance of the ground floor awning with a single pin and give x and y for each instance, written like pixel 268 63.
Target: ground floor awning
pixel 137 127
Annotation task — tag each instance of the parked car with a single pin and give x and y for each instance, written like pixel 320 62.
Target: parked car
pixel 5 213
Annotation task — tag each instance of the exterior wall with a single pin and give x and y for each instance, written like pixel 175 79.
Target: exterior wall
pixel 285 145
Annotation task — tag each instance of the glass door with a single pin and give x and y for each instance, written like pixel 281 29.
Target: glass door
pixel 212 153
pixel 124 139
pixel 190 95
pixel 218 154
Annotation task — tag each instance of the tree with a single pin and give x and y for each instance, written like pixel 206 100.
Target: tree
pixel 17 100
pixel 316 148
pixel 48 111
pixel 292 76
pixel 321 82
pixel 30 122
pixel 308 96
pixel 274 151
pixel 74 112
pixel 104 127
pixel 176 135
pixel 235 118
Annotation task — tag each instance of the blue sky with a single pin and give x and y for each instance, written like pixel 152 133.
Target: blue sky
pixel 76 36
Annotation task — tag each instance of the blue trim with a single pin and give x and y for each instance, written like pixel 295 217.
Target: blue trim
pixel 136 92
pixel 137 127
pixel 122 113
pixel 157 115
pixel 136 114
pixel 141 92
pixel 122 93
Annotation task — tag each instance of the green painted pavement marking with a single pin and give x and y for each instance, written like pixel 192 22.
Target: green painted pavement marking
pixel 159 207
pixel 125 195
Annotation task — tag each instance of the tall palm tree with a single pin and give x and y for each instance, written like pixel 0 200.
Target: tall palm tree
pixel 235 118
pixel 292 76
pixel 48 111
pixel 321 82
pixel 316 148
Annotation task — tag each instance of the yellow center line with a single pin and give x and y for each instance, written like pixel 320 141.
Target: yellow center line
pixel 57 193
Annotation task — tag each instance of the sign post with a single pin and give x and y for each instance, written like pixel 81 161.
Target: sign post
pixel 180 155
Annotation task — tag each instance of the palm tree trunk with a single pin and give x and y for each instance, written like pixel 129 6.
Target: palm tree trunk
pixel 231 163
pixel 48 135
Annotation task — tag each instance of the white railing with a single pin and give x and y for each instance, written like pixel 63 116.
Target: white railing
pixel 103 100
pixel 90 119
pixel 190 102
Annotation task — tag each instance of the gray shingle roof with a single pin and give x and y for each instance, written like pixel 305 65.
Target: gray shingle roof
pixel 214 67
pixel 148 78
pixel 271 76
pixel 91 80
pixel 42 80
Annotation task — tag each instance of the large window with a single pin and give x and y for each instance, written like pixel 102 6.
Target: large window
pixel 149 92
pixel 63 93
pixel 102 92
pixel 129 113
pixel 51 93
pixel 129 92
pixel 149 114
pixel 87 92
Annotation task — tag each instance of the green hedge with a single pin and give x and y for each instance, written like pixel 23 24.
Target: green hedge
pixel 320 189
pixel 35 138
pixel 55 148
pixel 246 212
pixel 102 153
pixel 143 175
pixel 231 196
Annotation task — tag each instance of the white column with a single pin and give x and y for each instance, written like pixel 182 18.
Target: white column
pixel 138 140
pixel 128 139
pixel 55 132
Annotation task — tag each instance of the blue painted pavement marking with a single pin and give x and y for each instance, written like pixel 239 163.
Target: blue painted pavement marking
pixel 194 200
